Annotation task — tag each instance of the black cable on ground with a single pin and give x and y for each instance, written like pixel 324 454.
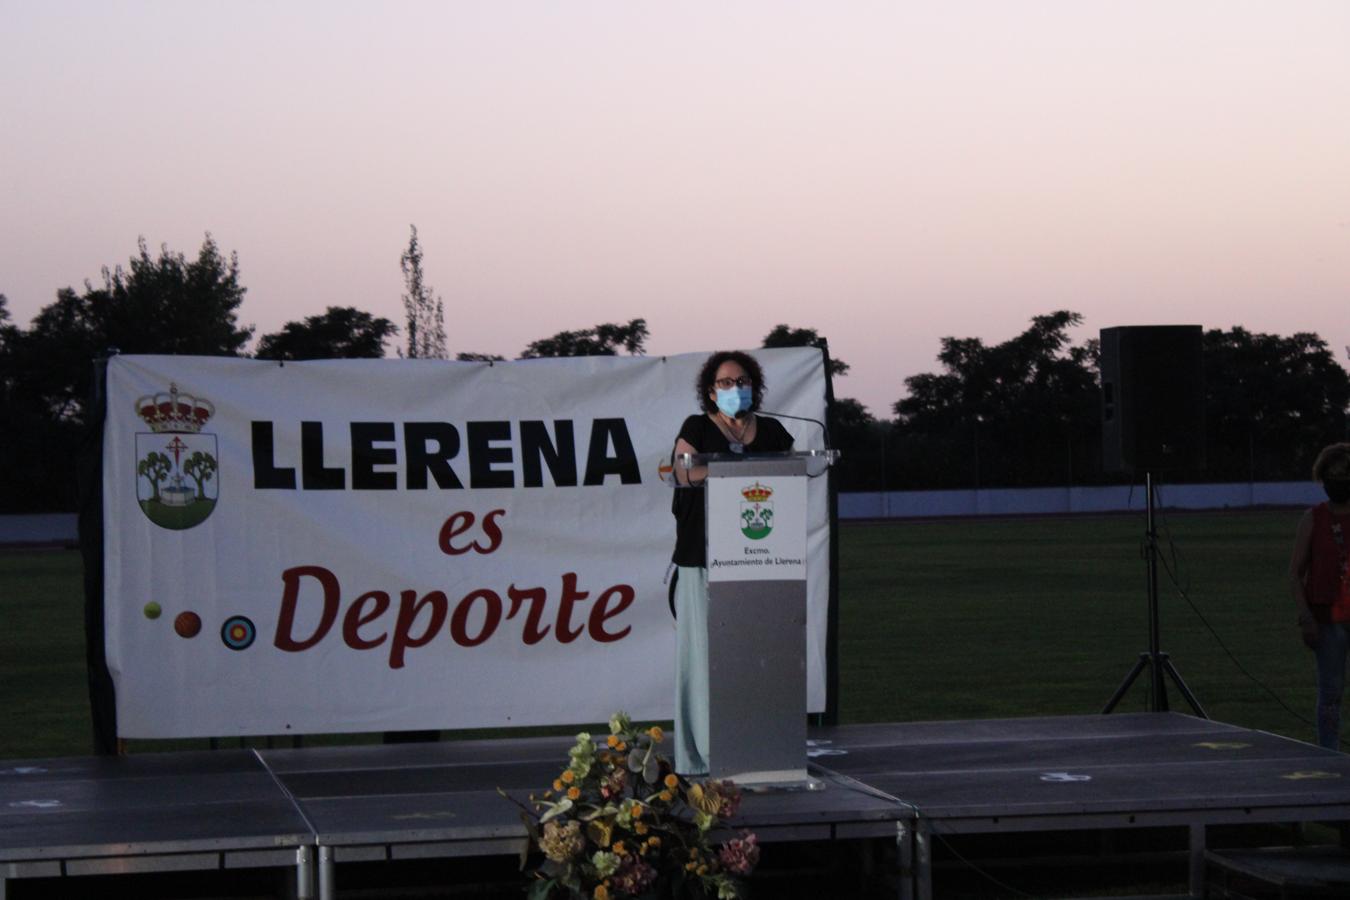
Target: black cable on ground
pixel 1172 567
pixel 863 787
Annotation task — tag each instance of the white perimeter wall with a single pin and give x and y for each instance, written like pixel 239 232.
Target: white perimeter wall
pixel 39 528
pixel 1057 500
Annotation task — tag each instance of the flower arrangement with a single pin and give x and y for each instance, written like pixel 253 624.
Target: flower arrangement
pixel 618 822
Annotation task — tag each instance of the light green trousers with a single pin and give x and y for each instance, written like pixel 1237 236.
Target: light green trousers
pixel 691 672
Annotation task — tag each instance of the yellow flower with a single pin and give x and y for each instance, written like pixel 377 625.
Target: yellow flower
pixel 619 849
pixel 671 781
pixel 561 842
pixel 640 828
pixel 621 746
pixel 557 785
pixel 635 809
pixel 612 740
pixel 601 831
pixel 665 796
pixel 694 795
pixel 654 841
pixel 601 892
pixel 705 801
pixel 568 776
pixel 573 793
pixel 657 734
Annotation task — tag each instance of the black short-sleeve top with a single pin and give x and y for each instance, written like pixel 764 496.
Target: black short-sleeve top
pixel 701 433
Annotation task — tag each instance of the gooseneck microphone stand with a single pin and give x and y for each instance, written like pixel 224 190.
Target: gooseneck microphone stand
pixel 1154 659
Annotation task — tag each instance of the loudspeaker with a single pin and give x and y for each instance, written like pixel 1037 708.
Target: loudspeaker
pixel 1153 398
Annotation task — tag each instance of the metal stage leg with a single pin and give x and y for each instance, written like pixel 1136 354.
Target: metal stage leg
pixel 904 848
pixel 923 862
pixel 327 875
pixel 1198 860
pixel 304 874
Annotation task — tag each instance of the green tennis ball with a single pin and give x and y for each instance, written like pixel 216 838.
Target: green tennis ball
pixel 152 610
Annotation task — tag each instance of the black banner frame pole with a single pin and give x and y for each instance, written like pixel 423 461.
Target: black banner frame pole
pixel 831 714
pixel 89 475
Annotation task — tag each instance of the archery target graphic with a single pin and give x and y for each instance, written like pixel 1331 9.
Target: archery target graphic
pixel 238 632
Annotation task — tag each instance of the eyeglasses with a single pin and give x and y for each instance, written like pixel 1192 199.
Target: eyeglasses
pixel 727 384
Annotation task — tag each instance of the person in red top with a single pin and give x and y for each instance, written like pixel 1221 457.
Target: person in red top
pixel 1321 586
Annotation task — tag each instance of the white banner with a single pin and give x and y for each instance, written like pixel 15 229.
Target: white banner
pixel 371 545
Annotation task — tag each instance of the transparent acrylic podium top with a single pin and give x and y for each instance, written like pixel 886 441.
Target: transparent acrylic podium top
pixel 817 461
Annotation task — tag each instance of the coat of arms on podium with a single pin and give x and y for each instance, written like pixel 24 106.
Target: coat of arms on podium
pixel 176 462
pixel 756 511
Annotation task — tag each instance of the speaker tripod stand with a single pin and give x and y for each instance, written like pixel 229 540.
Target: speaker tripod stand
pixel 1154 660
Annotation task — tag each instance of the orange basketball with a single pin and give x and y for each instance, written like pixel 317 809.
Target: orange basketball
pixel 187 624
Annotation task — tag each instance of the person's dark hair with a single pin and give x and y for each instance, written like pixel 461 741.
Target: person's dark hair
pixel 1329 456
pixel 708 374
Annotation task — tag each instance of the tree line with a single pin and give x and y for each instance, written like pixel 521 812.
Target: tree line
pixel 1027 412
pixel 1023 412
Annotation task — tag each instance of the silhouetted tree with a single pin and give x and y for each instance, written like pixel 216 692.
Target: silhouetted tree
pixel 426 314
pixel 479 357
pixel 852 429
pixel 341 332
pixel 35 450
pixel 1271 403
pixel 1026 411
pixel 168 305
pixel 163 304
pixel 12 456
pixel 862 442
pixel 786 336
pixel 9 338
pixel 602 340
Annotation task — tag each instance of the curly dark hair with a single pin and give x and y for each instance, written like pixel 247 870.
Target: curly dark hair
pixel 708 374
pixel 1330 455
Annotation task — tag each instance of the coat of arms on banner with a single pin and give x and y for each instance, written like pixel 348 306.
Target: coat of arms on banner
pixel 756 511
pixel 176 462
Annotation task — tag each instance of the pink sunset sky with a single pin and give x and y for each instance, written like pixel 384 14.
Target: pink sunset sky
pixel 887 173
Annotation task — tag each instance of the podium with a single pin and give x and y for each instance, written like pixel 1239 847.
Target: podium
pixel 756 514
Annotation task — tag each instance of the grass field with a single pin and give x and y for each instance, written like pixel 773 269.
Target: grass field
pixel 938 620
pixel 982 619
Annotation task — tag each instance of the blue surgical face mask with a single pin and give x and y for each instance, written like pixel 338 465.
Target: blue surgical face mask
pixel 734 400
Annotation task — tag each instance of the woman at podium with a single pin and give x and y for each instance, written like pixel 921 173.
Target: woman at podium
pixel 730 389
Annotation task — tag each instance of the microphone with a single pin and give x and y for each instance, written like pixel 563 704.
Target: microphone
pixel 824 430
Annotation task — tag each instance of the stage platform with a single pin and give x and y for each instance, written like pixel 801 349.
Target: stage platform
pixel 156 812
pixel 1090 772
pixel 311 811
